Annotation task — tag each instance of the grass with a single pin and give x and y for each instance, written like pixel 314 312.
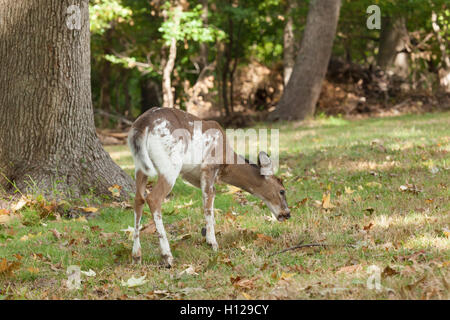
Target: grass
pixel 388 179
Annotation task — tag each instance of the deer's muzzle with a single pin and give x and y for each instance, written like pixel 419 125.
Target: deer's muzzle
pixel 284 216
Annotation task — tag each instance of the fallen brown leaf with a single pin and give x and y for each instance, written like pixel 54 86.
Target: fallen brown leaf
pixel 149 228
pixel 368 227
pixel 33 270
pixel 388 272
pixel 326 201
pixel 243 283
pixel 4 218
pixel 115 190
pixel 263 237
pixel 350 269
pixel 56 233
pixel 8 267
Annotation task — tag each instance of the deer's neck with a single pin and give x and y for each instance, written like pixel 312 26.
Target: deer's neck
pixel 244 176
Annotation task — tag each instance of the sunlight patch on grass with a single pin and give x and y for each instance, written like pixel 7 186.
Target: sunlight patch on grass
pixel 429 241
pixel 120 154
pixel 362 165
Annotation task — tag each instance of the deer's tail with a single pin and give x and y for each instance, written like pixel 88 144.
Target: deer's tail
pixel 138 146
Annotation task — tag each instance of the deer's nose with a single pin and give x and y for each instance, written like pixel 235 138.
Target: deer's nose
pixel 284 216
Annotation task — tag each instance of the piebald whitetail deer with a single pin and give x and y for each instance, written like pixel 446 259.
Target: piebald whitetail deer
pixel 164 141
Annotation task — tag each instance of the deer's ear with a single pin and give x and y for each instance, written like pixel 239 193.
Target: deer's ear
pixel 265 164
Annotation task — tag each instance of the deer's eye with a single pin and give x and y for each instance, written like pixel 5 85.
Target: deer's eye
pixel 282 192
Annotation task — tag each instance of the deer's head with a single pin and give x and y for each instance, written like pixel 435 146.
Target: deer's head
pixel 272 191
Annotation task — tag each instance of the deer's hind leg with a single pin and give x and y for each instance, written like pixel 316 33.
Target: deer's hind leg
pixel 207 180
pixel 154 200
pixel 139 201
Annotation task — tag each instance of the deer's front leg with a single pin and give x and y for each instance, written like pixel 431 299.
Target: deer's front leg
pixel 208 193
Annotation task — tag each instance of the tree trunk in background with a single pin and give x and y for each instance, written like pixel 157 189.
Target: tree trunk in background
pixel 204 51
pixel 150 94
pixel 168 100
pixel 288 43
pixel 444 70
pixel 105 80
pixel 392 54
pixel 303 89
pixel 47 137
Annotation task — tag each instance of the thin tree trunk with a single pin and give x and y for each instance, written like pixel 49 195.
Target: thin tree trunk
pixel 227 70
pixel 168 100
pixel 234 64
pixel 204 49
pixel 303 89
pixel 128 103
pixel 225 74
pixel 47 138
pixel 288 42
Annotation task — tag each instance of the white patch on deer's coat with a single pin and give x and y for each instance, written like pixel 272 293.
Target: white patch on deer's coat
pixel 198 153
pixel 165 153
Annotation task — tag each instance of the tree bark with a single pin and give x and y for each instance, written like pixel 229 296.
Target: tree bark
pixel 150 94
pixel 303 89
pixel 48 141
pixel 288 42
pixel 392 54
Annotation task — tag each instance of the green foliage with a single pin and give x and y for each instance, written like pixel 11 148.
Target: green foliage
pixel 132 36
pixel 190 26
pixel 104 12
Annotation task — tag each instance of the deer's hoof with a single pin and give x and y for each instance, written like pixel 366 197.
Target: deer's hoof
pixel 167 262
pixel 136 259
pixel 214 246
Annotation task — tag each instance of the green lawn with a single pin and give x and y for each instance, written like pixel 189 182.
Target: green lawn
pixel 390 207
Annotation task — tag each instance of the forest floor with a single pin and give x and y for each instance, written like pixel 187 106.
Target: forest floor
pixel 376 191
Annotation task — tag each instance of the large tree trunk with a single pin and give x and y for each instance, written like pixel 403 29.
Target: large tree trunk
pixel 47 136
pixel 303 89
pixel 392 54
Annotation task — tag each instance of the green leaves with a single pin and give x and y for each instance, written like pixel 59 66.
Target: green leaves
pixel 103 13
pixel 190 26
